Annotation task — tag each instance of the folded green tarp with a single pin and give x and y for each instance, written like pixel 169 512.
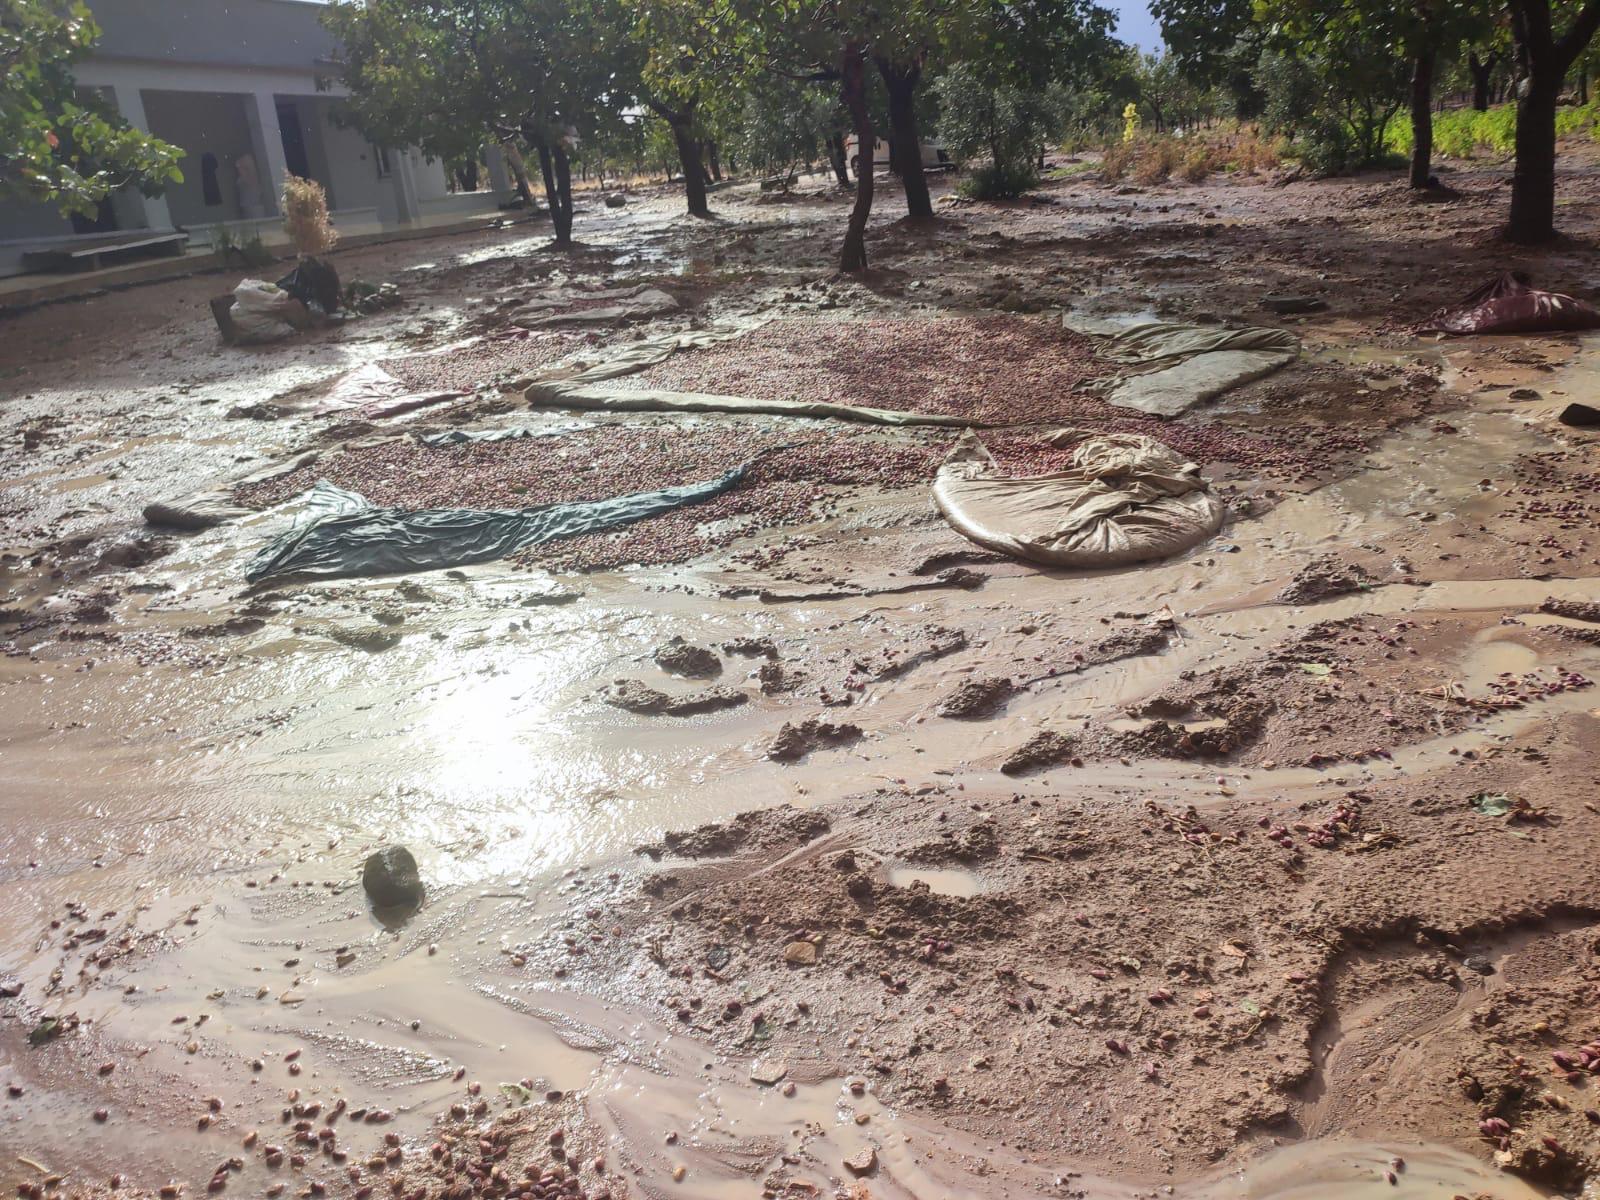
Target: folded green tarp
pixel 343 534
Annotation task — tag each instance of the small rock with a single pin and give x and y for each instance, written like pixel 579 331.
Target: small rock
pixel 391 878
pixel 768 1073
pixel 862 1161
pixel 800 954
pixel 1522 394
pixel 1580 416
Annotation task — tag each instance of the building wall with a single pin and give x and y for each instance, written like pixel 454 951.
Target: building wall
pixel 256 34
pixel 201 123
pixel 208 75
pixel 352 169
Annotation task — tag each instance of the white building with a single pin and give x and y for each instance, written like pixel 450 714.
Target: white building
pixel 234 83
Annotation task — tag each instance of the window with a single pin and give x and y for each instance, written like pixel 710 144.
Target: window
pixel 380 155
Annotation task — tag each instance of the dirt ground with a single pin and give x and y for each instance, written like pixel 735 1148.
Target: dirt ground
pixel 792 844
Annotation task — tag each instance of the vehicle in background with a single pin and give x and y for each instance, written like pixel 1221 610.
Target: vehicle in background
pixel 933 155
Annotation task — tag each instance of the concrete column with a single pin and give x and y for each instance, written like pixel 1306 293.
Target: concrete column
pixel 130 202
pixel 402 174
pixel 499 175
pixel 266 143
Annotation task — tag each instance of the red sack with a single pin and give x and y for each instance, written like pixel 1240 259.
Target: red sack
pixel 1510 304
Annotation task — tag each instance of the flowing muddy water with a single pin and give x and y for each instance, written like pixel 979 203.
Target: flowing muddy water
pixel 181 803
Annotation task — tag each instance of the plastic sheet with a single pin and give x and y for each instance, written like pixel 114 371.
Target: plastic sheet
pixel 342 534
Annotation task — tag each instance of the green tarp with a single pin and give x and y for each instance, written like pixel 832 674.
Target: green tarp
pixel 342 534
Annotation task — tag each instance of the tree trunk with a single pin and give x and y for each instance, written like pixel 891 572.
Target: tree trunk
pixel 557 179
pixel 853 255
pixel 905 143
pixel 1422 117
pixel 714 157
pixel 694 174
pixel 836 156
pixel 1482 70
pixel 519 172
pixel 562 223
pixel 1533 183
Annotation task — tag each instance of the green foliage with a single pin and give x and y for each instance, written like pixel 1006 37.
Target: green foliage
pixel 59 144
pixel 1008 122
pixel 1467 133
pixel 1333 104
pixel 989 182
pixel 1327 146
pixel 782 122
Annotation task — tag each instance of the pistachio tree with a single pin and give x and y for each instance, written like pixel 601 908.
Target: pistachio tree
pixel 445 74
pixel 61 144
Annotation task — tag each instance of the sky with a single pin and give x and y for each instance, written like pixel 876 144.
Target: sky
pixel 1135 24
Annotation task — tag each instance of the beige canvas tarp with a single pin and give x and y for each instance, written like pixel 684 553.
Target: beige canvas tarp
pixel 1204 361
pixel 1126 499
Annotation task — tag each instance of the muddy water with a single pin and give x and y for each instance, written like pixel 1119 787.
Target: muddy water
pixel 161 794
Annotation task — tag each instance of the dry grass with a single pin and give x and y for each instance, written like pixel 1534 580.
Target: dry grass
pixel 1156 161
pixel 1250 154
pixel 1115 161
pixel 305 216
pixel 1196 165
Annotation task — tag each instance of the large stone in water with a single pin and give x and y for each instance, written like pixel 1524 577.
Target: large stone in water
pixel 391 878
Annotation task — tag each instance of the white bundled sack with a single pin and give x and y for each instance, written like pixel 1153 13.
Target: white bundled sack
pixel 264 312
pixel 1126 499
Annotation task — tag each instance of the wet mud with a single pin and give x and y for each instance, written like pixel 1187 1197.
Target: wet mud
pixel 792 845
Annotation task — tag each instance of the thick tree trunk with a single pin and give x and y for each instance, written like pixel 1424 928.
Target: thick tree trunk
pixel 694 173
pixel 841 172
pixel 1422 117
pixel 905 142
pixel 853 84
pixel 1533 183
pixel 1482 70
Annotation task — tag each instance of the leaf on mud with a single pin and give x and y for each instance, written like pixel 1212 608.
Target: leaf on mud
pixel 1316 668
pixel 46 1030
pixel 717 957
pixel 1251 1007
pixel 1128 963
pixel 1492 804
pixel 516 1093
pixel 1501 804
pixel 1234 950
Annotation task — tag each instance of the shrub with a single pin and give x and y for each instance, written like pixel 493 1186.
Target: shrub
pixel 1196 165
pixel 1251 154
pixel 1006 182
pixel 1157 160
pixel 305 216
pixel 1328 147
pixel 1114 161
